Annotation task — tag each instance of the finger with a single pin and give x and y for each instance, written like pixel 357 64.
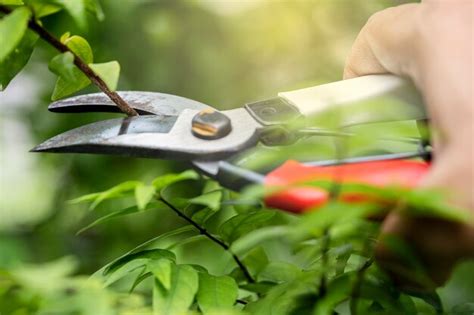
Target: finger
pixel 385 43
pixel 437 244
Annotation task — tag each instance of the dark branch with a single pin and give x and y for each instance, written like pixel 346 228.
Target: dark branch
pixel 204 232
pixel 84 67
pixel 355 294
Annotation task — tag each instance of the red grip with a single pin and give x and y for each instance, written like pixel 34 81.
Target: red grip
pixel 403 173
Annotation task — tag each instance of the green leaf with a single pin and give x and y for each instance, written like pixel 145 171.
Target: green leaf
pixel 149 254
pixel 114 192
pixel 42 8
pixel 254 238
pixel 216 293
pixel 77 10
pixel 80 47
pixel 76 81
pixel 11 2
pixel 211 199
pixel 12 29
pixel 109 72
pixel 241 224
pixel 162 270
pixel 63 65
pixel 17 59
pixel 168 179
pixel 278 271
pixel 143 195
pixel 178 299
pixel 65 87
pixel 129 263
pixel 119 213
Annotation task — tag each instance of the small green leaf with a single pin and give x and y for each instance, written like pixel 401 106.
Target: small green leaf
pixel 161 269
pixel 109 72
pixel 143 195
pixel 168 179
pixel 77 80
pixel 211 199
pixel 63 66
pixel 216 293
pixel 17 59
pixel 12 29
pixel 178 299
pixel 80 47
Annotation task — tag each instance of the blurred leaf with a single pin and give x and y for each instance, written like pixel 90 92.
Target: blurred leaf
pixel 211 199
pixel 42 8
pixel 125 265
pixel 77 10
pixel 143 195
pixel 17 59
pixel 278 271
pixel 12 29
pixel 256 260
pixel 241 224
pixel 109 72
pixel 168 179
pixel 114 192
pixel 317 221
pixel 152 254
pixel 176 300
pixel 119 213
pixel 11 2
pixel 63 65
pixel 162 270
pixel 216 293
pixel 256 237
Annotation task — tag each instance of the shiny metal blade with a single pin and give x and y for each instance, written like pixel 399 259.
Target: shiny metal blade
pixel 168 137
pixel 145 103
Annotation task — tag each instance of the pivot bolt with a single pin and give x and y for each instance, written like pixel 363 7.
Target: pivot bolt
pixel 210 124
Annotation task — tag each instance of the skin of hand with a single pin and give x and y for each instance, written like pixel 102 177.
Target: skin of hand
pixel 432 44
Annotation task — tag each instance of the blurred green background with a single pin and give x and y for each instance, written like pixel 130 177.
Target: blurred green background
pixel 223 53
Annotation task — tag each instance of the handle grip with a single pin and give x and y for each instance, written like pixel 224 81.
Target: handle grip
pixel 404 173
pixel 366 99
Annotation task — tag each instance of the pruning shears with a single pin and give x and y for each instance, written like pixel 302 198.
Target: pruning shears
pixel 174 127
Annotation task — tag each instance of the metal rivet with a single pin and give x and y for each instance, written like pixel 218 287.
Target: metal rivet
pixel 210 124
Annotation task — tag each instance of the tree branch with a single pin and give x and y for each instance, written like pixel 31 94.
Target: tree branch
pixel 84 67
pixel 204 232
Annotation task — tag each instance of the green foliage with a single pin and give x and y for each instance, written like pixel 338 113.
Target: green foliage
pixel 317 263
pixel 17 44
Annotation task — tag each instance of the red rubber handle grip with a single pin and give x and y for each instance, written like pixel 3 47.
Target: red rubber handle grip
pixel 402 173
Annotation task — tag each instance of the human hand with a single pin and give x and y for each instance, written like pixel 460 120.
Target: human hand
pixel 432 44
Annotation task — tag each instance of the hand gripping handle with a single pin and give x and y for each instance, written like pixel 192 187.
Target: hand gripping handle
pixel 296 197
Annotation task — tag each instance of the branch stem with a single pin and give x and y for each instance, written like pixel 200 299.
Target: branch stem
pixel 204 232
pixel 83 67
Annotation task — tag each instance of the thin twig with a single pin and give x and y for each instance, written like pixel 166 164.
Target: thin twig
pixel 357 286
pixel 324 262
pixel 84 67
pixel 204 232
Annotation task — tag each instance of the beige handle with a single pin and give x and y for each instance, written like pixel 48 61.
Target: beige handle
pixel 366 99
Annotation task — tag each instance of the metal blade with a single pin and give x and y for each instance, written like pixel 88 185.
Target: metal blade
pixel 145 103
pixel 156 137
